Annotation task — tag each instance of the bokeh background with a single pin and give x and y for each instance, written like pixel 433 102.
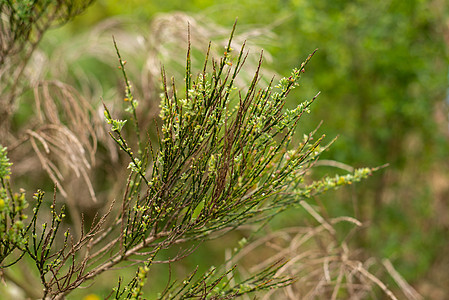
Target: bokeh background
pixel 381 68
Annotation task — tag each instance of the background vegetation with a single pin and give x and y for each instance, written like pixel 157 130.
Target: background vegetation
pixel 382 72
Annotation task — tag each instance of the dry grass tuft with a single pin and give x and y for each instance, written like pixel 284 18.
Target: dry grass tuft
pixel 323 263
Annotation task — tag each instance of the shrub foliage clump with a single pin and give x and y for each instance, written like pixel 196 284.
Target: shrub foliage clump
pixel 223 157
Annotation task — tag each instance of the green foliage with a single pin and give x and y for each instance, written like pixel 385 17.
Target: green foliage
pixel 219 164
pixel 383 75
pixel 224 157
pixel 5 165
pixel 381 61
pixel 382 71
pixel 12 216
pixel 27 19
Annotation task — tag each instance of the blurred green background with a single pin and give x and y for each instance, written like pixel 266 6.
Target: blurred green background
pixel 382 69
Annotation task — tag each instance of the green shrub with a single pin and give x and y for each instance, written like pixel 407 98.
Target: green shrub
pixel 224 157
